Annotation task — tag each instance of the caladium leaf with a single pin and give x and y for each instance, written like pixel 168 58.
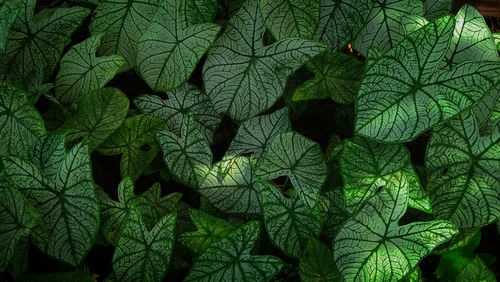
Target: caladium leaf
pixel 143 255
pixel 8 14
pixel 231 186
pixel 229 259
pixel 371 246
pixel 38 40
pixel 153 206
pixel 434 9
pixel 66 201
pixel 81 71
pixel 336 76
pixel 291 18
pixel 186 98
pixel 316 263
pixel 198 11
pixel 385 27
pixel 210 229
pixel 21 122
pixel 99 114
pixel 496 38
pixel 463 172
pixel 400 97
pixel 336 212
pixel 488 127
pixel 244 78
pixel 341 20
pixel 48 152
pixel 255 134
pixel 300 159
pixel 135 140
pixel 381 162
pixel 289 222
pixel 188 157
pixel 122 22
pixel 168 51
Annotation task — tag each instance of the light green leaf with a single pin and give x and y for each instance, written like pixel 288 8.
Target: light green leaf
pixel 143 255
pixel 300 159
pixel 153 206
pixel 434 9
pixel 82 72
pixel 255 134
pixel 372 246
pixel 18 217
pixel 463 171
pixel 231 186
pixel 289 222
pixel 496 38
pixel 291 18
pixel 380 163
pixel 123 22
pixel 99 114
pixel 385 25
pixel 403 93
pixel 341 20
pixel 188 157
pixel 198 11
pixel 210 229
pixel 488 127
pixel 336 76
pixel 38 40
pixel 66 201
pixel 135 140
pixel 229 259
pixel 414 276
pixel 242 77
pixel 316 263
pixel 20 122
pixel 186 98
pixel 168 51
pixel 8 14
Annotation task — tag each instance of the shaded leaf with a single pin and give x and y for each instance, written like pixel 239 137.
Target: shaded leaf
pixel 316 263
pixel 8 14
pixel 434 9
pixel 153 206
pixel 198 11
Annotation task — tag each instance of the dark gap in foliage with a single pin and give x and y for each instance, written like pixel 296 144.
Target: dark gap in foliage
pixel 99 260
pixel 282 183
pixel 49 265
pixel 106 172
pixel 418 147
pixel 132 85
pixel 197 76
pixel 222 138
pixel 489 245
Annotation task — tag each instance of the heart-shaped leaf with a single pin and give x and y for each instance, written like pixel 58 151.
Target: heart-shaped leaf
pixel 8 14
pixel 434 9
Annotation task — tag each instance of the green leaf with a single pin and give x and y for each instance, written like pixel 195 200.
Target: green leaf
pixel 168 51
pixel 401 96
pixel 316 263
pixel 336 214
pixel 336 76
pixel 143 255
pixel 99 114
pixel 255 134
pixel 414 276
pixel 153 206
pixel 229 259
pixel 496 38
pixel 380 163
pixel 196 12
pixel 8 14
pixel 210 229
pixel 186 98
pixel 385 25
pixel 463 172
pixel 82 72
pixel 123 22
pixel 291 18
pixel 188 157
pixel 231 186
pixel 38 40
pixel 289 222
pixel 18 217
pixel 434 9
pixel 135 140
pixel 488 127
pixel 300 159
pixel 48 152
pixel 372 246
pixel 20 122
pixel 242 77
pixel 66 201
pixel 476 270
pixel 341 20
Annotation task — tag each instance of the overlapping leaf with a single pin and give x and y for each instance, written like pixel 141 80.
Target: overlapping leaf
pixel 135 140
pixel 341 20
pixel 291 18
pixel 434 9
pixel 168 51
pixel 316 263
pixel 300 159
pixel 196 12
pixel 403 93
pixel 244 78
pixel 463 168
pixel 153 206
pixel 289 222
pixel 122 22
pixel 371 246
pixel 143 255
pixel 186 98
pixel 82 72
pixel 229 259
pixel 8 14
pixel 48 152
pixel 20 122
